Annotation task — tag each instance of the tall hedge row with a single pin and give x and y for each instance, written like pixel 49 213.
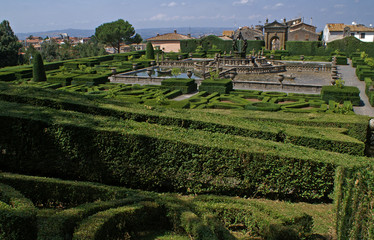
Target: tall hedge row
pixel 190 46
pixel 143 155
pixel 354 203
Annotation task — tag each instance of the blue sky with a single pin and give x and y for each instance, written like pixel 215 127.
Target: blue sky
pixel 42 15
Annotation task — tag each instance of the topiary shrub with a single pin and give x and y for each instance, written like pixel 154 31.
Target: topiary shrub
pixel 150 53
pixel 38 69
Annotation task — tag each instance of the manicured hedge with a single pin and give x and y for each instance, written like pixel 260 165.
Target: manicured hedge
pixel 351 45
pixel 369 90
pixel 17 215
pixel 341 60
pixel 185 85
pixel 340 95
pixel 218 123
pixel 90 80
pixel 7 76
pixel 133 151
pixel 190 46
pixel 53 192
pixel 354 203
pixel 217 85
pixel 310 48
pixel 118 222
pixel 63 79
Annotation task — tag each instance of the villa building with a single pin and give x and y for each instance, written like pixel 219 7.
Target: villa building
pixel 335 31
pixel 169 42
pixel 278 33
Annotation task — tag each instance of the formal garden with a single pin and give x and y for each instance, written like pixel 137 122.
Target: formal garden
pixel 85 158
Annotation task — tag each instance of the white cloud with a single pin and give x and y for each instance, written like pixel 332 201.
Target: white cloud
pixel 164 17
pixel 242 2
pixel 170 4
pixel 273 7
pixel 339 6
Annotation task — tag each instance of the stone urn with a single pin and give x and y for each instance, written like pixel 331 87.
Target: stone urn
pixel 189 73
pixel 232 75
pixel 272 56
pixel 333 81
pixel 153 63
pixel 302 58
pixel 134 66
pixel 190 55
pixel 179 57
pixel 114 71
pixel 149 72
pixel 371 124
pixel 280 78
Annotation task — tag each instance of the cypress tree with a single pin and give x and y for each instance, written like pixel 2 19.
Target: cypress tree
pixel 38 68
pixel 150 53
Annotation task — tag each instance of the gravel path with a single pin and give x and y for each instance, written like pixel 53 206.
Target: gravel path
pixel 348 75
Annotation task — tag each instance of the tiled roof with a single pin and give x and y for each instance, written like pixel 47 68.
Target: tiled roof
pixel 169 37
pixel 339 27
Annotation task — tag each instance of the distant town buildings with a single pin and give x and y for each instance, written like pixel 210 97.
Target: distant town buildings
pixel 169 42
pixel 335 31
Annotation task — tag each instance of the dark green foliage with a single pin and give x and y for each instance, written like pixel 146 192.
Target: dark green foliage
pixel 340 95
pixel 107 156
pixel 341 60
pixel 17 215
pixel 310 48
pixel 7 76
pixel 185 85
pixel 150 53
pixel 122 221
pixel 222 86
pixel 190 46
pixel 263 106
pixel 63 79
pixel 369 90
pixel 351 45
pixel 9 45
pixel 38 69
pixel 54 192
pixel 353 200
pixel 90 79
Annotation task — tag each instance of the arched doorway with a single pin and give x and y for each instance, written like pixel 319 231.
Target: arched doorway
pixel 275 43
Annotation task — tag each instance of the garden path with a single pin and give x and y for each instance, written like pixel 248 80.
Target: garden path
pixel 348 75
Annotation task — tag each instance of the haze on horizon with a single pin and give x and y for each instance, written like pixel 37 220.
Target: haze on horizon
pixel 42 15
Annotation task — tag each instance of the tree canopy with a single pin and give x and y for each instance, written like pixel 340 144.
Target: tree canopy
pixel 9 45
pixel 117 32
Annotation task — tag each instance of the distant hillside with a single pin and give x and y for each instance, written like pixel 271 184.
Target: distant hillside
pixel 56 33
pixel 145 32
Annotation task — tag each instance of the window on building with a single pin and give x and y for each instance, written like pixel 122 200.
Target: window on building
pixel 352 34
pixel 362 35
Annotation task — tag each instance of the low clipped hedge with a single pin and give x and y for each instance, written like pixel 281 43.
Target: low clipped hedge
pixel 369 90
pixel 63 79
pixel 263 106
pixel 118 222
pixel 341 60
pixel 7 76
pixel 337 94
pixel 53 192
pixel 17 215
pixel 185 85
pixel 222 86
pixel 90 79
